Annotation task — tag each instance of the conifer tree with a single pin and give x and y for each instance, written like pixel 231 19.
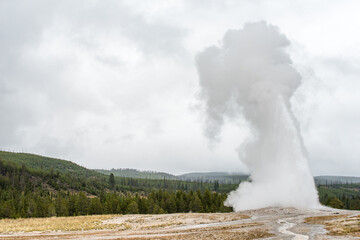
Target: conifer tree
pixel 112 181
pixel 195 204
pixel 95 206
pixel 132 208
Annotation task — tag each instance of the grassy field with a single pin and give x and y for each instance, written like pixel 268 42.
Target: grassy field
pixel 93 222
pixel 338 225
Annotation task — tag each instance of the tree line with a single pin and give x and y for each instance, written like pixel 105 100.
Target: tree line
pixel 341 202
pixel 25 179
pixel 342 196
pixel 14 204
pixel 38 193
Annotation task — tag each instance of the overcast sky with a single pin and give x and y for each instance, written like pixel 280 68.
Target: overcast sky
pixel 113 84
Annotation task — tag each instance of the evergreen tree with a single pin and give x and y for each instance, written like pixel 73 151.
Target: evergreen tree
pixel 195 204
pixel 180 203
pixel 158 210
pixel 51 210
pixel 207 200
pixel 112 181
pixel 336 203
pixel 132 208
pixel 143 206
pixel 7 210
pixel 95 206
pixel 82 204
pixel 171 204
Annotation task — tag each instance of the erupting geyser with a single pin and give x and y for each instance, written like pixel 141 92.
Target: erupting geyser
pixel 251 74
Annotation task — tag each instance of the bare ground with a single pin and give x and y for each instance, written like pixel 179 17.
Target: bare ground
pixel 266 223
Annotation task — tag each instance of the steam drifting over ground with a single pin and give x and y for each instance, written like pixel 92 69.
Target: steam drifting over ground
pixel 250 74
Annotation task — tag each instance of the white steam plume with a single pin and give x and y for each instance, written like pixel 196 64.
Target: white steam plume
pixel 251 73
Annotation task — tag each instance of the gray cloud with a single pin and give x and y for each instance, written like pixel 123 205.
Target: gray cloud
pixel 40 80
pixel 77 77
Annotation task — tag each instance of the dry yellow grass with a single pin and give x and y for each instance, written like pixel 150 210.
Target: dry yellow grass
pixel 163 225
pixel 322 219
pixel 338 225
pixel 211 234
pixel 58 223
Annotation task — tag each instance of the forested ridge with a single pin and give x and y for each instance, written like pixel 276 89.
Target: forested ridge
pixel 221 177
pixel 134 173
pixel 43 191
pixel 68 175
pixel 37 162
pixel 30 186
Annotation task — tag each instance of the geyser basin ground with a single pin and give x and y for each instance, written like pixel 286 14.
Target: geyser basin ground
pixel 266 223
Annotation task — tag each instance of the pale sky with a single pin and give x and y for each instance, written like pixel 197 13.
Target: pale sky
pixel 113 84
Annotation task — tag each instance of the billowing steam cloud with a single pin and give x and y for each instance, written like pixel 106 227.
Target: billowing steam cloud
pixel 252 75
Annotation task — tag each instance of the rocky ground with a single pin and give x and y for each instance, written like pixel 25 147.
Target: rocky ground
pixel 266 223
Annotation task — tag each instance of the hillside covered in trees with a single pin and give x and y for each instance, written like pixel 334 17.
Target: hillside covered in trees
pixel 134 173
pixel 221 177
pixel 30 186
pixel 37 186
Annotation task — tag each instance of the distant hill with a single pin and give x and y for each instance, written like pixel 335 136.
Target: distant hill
pixel 133 173
pixel 221 177
pixel 209 174
pixel 57 174
pixel 37 162
pixel 47 164
pixel 30 172
pixel 329 180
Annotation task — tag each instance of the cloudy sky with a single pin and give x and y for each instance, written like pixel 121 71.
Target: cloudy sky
pixel 113 84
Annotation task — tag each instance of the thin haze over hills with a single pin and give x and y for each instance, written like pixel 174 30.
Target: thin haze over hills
pixel 113 84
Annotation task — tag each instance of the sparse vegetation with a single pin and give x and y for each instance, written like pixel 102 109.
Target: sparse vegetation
pixel 56 224
pixel 338 225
